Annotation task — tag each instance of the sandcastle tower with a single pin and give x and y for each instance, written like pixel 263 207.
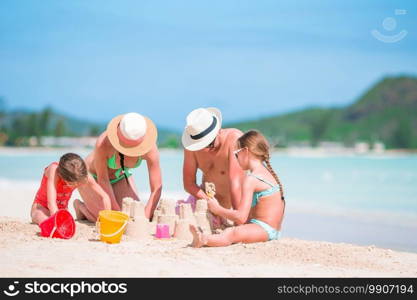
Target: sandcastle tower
pixel 152 225
pixel 126 205
pixel 137 210
pixel 157 212
pixel 166 214
pixel 186 212
pixel 138 226
pixel 182 226
pixel 202 216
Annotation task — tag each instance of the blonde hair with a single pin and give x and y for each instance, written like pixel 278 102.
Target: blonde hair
pixel 258 145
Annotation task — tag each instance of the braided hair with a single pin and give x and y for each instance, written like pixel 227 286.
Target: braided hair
pixel 259 146
pixel 269 167
pixel 122 164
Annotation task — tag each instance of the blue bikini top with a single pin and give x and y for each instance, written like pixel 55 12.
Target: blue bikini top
pixel 267 192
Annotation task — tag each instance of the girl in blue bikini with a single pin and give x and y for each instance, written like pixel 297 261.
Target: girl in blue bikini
pixel 261 209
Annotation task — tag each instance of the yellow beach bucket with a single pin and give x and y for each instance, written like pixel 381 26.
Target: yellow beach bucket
pixel 111 225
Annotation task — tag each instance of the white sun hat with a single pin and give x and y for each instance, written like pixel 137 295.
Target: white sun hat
pixel 203 125
pixel 132 134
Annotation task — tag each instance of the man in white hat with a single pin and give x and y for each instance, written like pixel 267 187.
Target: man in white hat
pixel 210 148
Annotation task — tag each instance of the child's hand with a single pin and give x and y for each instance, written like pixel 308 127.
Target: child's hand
pixel 213 205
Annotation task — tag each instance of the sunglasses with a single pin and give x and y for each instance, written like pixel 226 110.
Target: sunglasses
pixel 236 152
pixel 211 145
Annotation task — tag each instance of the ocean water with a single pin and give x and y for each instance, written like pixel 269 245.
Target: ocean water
pixel 369 200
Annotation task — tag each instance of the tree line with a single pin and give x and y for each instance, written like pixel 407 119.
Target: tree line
pixel 17 127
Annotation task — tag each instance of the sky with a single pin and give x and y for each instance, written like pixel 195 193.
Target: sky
pixel 96 59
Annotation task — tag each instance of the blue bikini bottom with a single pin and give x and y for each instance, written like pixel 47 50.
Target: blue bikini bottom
pixel 273 234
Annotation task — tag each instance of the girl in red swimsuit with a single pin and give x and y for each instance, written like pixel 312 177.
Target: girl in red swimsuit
pixel 58 182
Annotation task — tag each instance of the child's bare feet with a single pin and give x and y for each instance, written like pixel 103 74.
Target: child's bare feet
pixel 198 237
pixel 78 213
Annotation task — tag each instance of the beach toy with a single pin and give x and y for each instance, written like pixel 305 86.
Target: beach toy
pixel 168 220
pixel 112 225
pixel 60 225
pixel 167 215
pixel 162 231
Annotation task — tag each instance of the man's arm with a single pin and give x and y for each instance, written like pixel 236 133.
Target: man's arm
pixel 189 176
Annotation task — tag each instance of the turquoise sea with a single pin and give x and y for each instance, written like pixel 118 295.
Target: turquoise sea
pixel 368 200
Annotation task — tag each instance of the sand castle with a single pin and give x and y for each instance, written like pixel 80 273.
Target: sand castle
pixel 126 205
pixel 215 224
pixel 165 214
pixel 211 192
pixel 202 216
pixel 138 226
pixel 182 226
pixel 154 221
pixel 179 224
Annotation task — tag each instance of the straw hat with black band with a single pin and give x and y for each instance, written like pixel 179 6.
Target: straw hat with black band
pixel 203 125
pixel 132 134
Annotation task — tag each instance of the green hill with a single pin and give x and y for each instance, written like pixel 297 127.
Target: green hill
pixel 387 112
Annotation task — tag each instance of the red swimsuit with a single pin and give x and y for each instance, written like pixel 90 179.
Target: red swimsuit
pixel 63 193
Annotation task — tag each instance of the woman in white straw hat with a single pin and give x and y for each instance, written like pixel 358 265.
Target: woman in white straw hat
pixel 129 139
pixel 210 148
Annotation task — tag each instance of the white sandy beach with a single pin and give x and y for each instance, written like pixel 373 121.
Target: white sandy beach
pixel 24 254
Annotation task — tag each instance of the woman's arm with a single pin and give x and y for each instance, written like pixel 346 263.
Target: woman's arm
pixel 100 165
pixel 91 182
pixel 50 173
pixel 155 180
pixel 240 215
